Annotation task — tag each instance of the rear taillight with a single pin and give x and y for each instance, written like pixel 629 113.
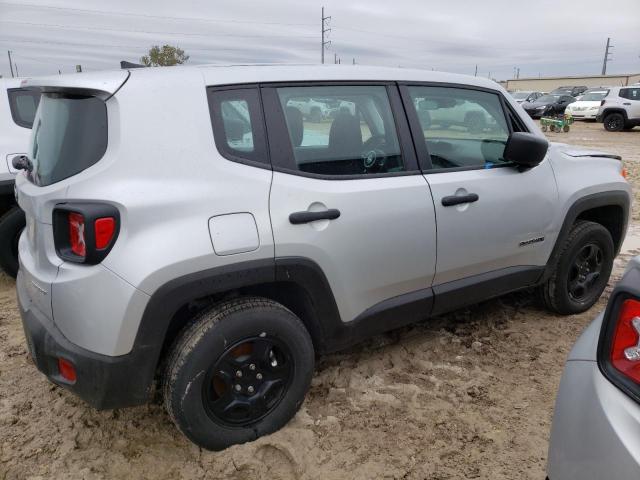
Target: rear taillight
pixel 625 345
pixel 619 344
pixel 85 233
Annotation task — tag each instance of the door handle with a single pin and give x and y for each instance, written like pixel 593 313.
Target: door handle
pixel 298 218
pixel 458 199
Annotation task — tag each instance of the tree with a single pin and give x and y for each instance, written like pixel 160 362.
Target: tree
pixel 166 56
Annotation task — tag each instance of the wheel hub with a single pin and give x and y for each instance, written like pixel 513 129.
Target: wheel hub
pixel 585 271
pixel 248 381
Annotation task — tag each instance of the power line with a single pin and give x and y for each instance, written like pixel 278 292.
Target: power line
pixel 160 17
pixel 70 27
pixel 324 26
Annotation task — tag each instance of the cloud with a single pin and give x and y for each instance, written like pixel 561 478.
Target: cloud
pixel 543 37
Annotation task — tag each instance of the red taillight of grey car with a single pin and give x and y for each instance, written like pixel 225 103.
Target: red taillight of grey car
pixel 85 232
pixel 619 345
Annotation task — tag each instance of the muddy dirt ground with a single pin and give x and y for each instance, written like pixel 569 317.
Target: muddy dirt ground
pixel 468 395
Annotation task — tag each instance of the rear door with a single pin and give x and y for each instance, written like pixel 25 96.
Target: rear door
pixel 492 218
pixel 347 193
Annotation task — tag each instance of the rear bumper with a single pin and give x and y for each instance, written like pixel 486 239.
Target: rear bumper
pixel 596 428
pixel 102 381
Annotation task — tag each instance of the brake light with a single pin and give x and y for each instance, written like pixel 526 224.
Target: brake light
pixel 105 227
pixel 76 234
pixel 625 347
pixel 85 232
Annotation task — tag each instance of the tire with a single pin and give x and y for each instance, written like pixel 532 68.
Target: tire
pixel 566 128
pixel 614 122
pixel 11 225
pixel 561 293
pixel 199 384
pixel 544 128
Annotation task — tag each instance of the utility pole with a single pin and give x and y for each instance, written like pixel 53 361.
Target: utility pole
pixel 476 74
pixel 17 74
pixel 354 61
pixel 518 73
pixel 335 58
pixel 79 68
pixel 606 56
pixel 324 27
pixel 10 63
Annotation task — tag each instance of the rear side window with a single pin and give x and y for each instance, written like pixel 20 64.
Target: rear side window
pixel 238 126
pixel 69 135
pixel 630 93
pixel 341 130
pixel 23 104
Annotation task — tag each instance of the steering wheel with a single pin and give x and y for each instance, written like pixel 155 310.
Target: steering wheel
pixel 373 157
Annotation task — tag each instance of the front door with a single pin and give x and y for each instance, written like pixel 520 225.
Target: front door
pixel 492 218
pixel 347 192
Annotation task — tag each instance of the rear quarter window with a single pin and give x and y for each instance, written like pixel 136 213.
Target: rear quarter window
pixel 69 135
pixel 23 104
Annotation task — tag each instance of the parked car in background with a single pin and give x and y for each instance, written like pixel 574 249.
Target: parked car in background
pixel 225 277
pixel 312 110
pixel 526 96
pixel 620 109
pixel 588 106
pixel 546 105
pixel 595 433
pixel 570 90
pixel 447 113
pixel 17 110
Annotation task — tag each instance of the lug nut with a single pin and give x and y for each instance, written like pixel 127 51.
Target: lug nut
pixel 259 376
pixel 252 367
pixel 239 374
pixel 238 388
pixel 250 389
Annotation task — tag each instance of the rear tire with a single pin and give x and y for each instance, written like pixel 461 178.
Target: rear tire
pixel 239 371
pixel 614 122
pixel 581 271
pixel 11 225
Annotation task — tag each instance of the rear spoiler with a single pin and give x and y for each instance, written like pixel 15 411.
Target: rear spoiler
pixel 103 85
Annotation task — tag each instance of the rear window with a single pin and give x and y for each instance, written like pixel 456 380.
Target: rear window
pixel 23 104
pixel 69 135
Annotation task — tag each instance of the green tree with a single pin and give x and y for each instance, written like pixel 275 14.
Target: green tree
pixel 166 56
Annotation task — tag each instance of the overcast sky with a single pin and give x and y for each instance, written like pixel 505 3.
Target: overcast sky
pixel 540 37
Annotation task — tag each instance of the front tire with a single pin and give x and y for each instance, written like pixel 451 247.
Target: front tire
pixel 11 225
pixel 240 371
pixel 581 271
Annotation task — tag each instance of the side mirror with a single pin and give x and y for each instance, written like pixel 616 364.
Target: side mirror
pixel 22 162
pixel 525 149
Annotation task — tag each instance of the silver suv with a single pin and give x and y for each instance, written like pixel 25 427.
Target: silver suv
pixel 620 109
pixel 190 225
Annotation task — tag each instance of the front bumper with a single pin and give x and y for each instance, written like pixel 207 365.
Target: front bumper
pixel 102 381
pixel 584 115
pixel 596 428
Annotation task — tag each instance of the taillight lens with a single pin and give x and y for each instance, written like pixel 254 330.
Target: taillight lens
pixel 625 345
pixel 76 234
pixel 105 227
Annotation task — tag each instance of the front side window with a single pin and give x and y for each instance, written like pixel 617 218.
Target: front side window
pixel 238 127
pixel 341 130
pixel 69 135
pixel 23 104
pixel 461 128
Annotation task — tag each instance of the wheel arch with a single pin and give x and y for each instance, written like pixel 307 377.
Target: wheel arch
pixel 610 110
pixel 609 209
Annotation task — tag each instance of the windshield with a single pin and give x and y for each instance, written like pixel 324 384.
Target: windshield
pixel 69 135
pixel 520 95
pixel 593 96
pixel 548 99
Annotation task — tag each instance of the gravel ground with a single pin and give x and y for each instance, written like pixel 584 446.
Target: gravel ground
pixel 467 395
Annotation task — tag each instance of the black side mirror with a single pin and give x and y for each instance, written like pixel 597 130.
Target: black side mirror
pixel 525 149
pixel 22 162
